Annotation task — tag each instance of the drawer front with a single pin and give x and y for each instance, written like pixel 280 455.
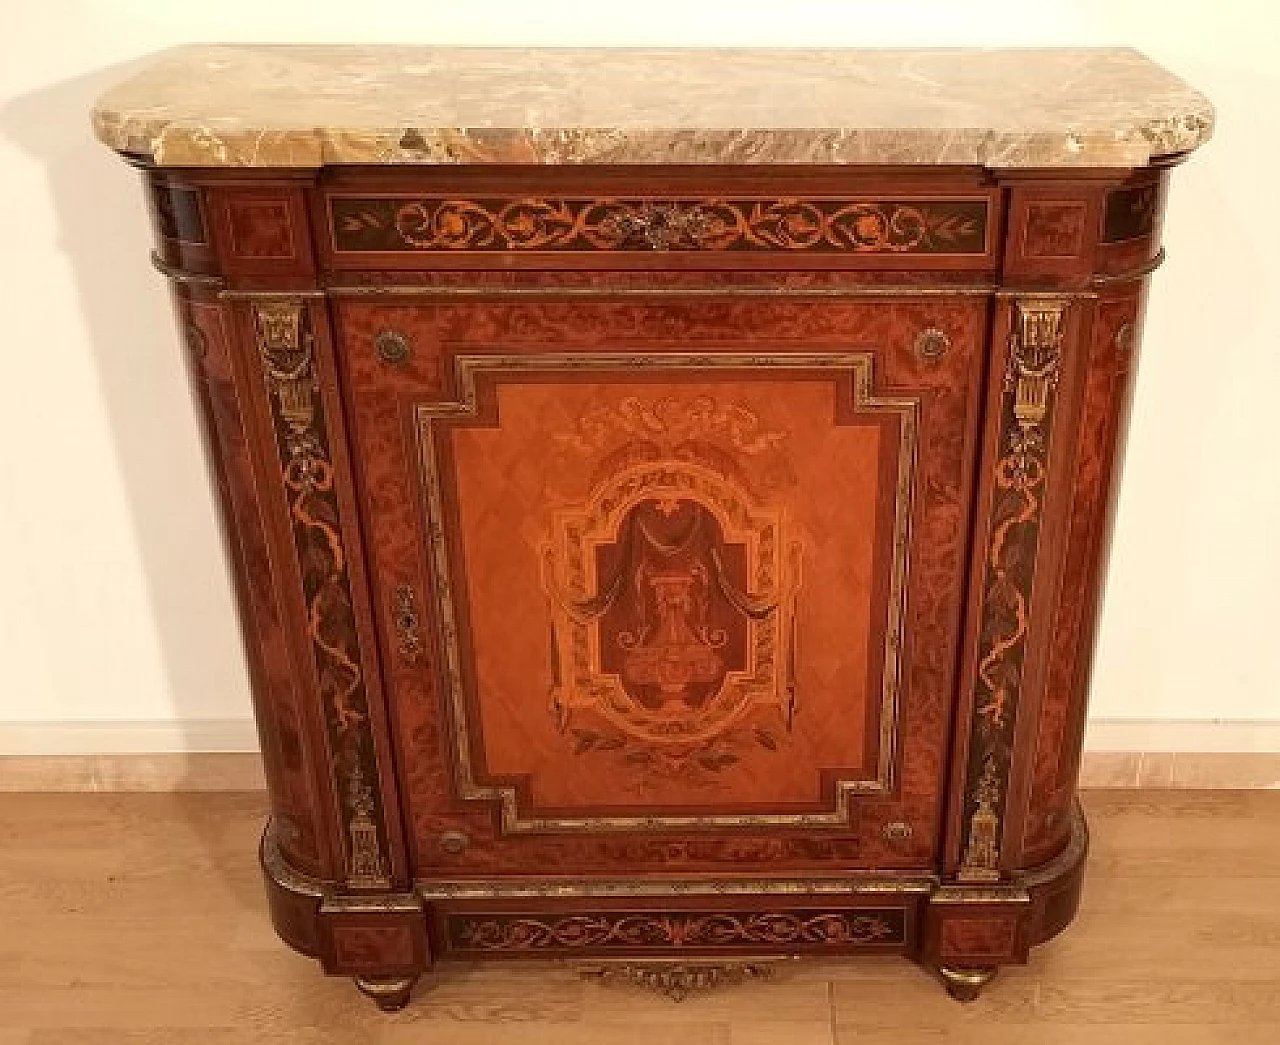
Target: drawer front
pixel 666 585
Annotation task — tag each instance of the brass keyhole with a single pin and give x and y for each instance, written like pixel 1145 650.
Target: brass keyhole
pixel 392 347
pixel 931 343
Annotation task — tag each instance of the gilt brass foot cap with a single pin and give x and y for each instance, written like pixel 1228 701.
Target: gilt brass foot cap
pixel 390 993
pixel 965 984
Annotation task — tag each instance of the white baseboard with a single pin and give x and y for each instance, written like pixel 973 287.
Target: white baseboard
pixel 1157 736
pixel 220 755
pixel 198 736
pixel 194 736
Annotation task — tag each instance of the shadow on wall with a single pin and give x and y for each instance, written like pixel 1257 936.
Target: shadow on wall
pixel 104 234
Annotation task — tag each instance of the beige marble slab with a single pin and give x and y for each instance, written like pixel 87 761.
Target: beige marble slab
pixel 306 106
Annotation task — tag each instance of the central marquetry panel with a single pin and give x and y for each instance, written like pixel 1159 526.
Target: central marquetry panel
pixel 652 598
pixel 679 610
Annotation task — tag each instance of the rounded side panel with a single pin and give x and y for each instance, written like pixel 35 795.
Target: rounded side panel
pixel 1055 888
pixel 294 899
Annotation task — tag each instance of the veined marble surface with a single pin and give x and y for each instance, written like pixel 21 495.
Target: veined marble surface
pixel 306 106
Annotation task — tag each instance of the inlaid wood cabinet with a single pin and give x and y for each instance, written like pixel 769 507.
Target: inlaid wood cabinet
pixel 645 557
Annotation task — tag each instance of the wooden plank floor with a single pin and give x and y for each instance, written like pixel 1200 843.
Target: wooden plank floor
pixel 139 918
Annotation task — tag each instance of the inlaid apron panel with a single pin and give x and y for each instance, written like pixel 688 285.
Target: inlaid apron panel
pixel 651 596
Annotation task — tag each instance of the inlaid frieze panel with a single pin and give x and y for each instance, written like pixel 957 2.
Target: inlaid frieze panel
pixel 398 223
pixel 798 929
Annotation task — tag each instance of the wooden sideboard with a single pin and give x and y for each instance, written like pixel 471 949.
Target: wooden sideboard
pixel 684 555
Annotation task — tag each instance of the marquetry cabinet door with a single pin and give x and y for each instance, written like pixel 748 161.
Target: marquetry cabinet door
pixel 666 583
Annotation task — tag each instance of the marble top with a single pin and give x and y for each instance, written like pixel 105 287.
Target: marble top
pixel 307 106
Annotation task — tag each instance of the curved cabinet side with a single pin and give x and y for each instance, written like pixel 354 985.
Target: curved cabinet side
pixel 1077 255
pixel 186 253
pixel 1059 730
pixel 1077 252
pixel 288 759
pixel 1128 249
pixel 252 314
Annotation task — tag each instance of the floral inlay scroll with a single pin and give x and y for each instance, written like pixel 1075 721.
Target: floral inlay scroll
pixel 623 930
pixel 287 346
pixel 1021 476
pixel 398 223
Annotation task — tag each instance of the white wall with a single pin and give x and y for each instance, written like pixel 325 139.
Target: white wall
pixel 114 602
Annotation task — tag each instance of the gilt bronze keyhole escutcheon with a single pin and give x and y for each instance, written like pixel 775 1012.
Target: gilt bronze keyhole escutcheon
pixel 931 344
pixel 392 347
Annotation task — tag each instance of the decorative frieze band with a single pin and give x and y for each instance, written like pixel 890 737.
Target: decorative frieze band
pixel 806 929
pixel 445 224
